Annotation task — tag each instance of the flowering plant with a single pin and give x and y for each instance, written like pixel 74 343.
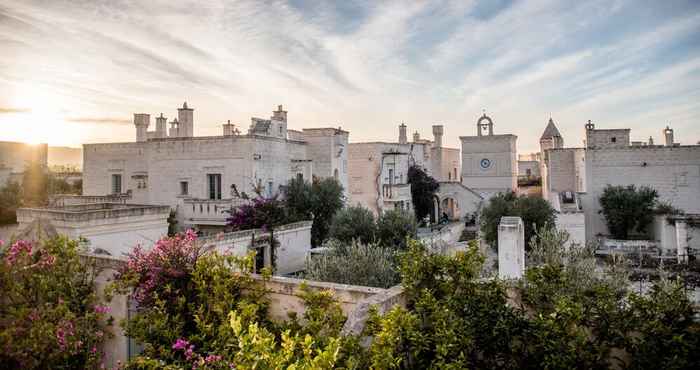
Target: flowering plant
pixel 202 310
pixel 259 213
pixel 50 316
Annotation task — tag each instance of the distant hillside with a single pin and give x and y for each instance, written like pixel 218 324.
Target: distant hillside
pixel 65 157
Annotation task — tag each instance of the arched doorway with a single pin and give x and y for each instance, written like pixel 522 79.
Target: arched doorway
pixel 449 207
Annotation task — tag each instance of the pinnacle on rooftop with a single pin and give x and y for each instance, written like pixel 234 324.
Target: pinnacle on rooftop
pixel 550 131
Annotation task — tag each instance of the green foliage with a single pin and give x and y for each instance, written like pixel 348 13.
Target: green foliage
pixel 423 189
pixel 354 263
pixel 327 199
pixel 668 334
pixel 201 309
pixel 563 315
pixel 395 227
pixel 536 214
pixel 628 209
pixel 319 200
pixel 353 223
pixel 453 321
pixel 10 200
pixel 50 315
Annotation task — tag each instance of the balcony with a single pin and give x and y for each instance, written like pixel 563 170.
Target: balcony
pixel 396 192
pixel 208 211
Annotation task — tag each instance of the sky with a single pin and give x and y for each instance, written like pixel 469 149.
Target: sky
pixel 74 72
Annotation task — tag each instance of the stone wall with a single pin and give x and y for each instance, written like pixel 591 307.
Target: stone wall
pixel 115 228
pixel 489 163
pixel 565 170
pixel 607 138
pixel 283 295
pixel 328 149
pixel 574 224
pixel 673 171
pixel 294 239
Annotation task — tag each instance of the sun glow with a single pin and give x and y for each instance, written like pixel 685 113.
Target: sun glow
pixel 43 121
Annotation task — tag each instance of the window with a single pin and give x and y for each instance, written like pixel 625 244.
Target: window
pixel 335 174
pixel 116 184
pixel 184 188
pixel 269 189
pixel 391 176
pixel 613 139
pixel 214 183
pixel 300 177
pixel 528 172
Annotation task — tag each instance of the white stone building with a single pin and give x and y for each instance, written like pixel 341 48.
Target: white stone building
pixel 198 176
pixel 489 161
pixel 378 174
pixel 573 179
pixel 673 170
pixel 114 228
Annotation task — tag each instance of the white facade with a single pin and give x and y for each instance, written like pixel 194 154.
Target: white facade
pixel 294 245
pixel 115 228
pixel 673 171
pixel 489 161
pixel 200 176
pixel 378 171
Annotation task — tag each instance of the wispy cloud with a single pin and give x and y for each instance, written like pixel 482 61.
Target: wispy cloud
pixel 362 64
pixel 6 110
pixel 110 120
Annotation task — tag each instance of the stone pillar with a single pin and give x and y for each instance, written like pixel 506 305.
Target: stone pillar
pixel 436 209
pixel 668 136
pixel 511 248
pixel 682 241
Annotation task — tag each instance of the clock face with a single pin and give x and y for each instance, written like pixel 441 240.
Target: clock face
pixel 485 164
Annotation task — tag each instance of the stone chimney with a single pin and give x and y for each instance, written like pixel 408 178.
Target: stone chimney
pixel 174 128
pixel 161 126
pixel 668 135
pixel 228 128
pixel 403 139
pixel 141 121
pixel 185 117
pixel 279 114
pixel 437 134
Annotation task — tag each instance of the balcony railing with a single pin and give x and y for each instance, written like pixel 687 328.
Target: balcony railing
pixel 208 211
pixel 396 192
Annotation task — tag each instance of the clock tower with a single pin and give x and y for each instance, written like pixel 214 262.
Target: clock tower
pixel 489 161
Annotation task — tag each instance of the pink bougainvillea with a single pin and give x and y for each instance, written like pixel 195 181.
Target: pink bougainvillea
pixel 55 315
pixel 170 260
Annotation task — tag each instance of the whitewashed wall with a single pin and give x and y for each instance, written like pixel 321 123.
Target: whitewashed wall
pixel 673 171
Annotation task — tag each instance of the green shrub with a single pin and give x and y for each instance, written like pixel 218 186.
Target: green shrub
pixel 395 227
pixel 354 263
pixel 193 313
pixel 536 214
pixel 628 209
pixel 353 223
